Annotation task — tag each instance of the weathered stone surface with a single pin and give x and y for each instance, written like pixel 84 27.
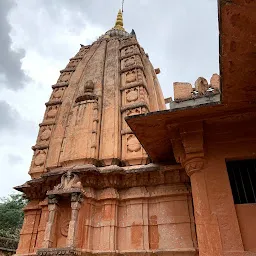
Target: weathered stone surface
pixel 93 188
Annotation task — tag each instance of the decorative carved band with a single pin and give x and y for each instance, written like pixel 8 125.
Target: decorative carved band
pixel 135 105
pixel 53 102
pixel 58 85
pixel 132 67
pixel 134 84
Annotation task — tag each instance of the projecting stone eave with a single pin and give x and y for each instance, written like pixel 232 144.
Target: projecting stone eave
pixel 96 177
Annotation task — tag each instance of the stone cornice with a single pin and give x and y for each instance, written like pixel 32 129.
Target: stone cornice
pixel 104 177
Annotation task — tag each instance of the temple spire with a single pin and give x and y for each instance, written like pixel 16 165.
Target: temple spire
pixel 119 21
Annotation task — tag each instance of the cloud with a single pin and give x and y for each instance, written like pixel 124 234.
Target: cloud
pixel 12 75
pixel 9 116
pixel 14 159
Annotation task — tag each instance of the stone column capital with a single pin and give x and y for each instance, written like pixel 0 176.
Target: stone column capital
pixel 52 199
pixel 76 197
pixel 193 165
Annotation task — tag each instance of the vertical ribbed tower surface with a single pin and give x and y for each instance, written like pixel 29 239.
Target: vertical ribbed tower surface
pixel 93 188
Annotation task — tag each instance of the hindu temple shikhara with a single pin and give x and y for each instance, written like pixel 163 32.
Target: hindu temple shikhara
pixel 95 190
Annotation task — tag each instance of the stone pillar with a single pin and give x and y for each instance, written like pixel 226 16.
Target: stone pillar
pixel 188 147
pixel 208 234
pixel 50 226
pixel 75 205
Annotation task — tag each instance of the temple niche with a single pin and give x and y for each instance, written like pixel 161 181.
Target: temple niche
pixel 93 188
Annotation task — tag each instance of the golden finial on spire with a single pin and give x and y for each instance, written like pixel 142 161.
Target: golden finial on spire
pixel 119 21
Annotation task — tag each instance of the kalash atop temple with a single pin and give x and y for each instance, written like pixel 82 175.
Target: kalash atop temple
pixel 116 173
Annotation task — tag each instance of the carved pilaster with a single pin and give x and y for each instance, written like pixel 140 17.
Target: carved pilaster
pixel 76 199
pixel 50 226
pixel 134 101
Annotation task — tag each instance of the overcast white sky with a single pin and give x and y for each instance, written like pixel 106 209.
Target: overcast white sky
pixel 37 38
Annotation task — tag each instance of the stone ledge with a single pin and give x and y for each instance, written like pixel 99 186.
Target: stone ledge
pixel 58 251
pixel 67 70
pixel 59 85
pixel 73 251
pixel 126 131
pixel 76 58
pixel 45 123
pixel 40 147
pixel 53 102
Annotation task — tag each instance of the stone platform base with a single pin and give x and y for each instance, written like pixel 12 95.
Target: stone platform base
pixel 73 252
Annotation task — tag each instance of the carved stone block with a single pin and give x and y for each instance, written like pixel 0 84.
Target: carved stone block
pixel 38 163
pixel 128 41
pixel 73 63
pixel 132 49
pixel 131 62
pixel 57 93
pixel 132 151
pixel 51 112
pixel 132 112
pixel 131 76
pixel 65 77
pixel 44 135
pixel 134 95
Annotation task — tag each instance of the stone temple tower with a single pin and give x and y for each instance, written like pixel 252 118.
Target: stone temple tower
pixel 93 188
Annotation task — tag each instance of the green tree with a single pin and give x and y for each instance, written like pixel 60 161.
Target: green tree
pixel 11 215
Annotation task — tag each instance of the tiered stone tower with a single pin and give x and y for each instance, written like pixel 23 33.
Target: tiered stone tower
pixel 93 188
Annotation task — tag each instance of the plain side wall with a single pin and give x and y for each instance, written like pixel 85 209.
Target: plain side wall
pixel 230 140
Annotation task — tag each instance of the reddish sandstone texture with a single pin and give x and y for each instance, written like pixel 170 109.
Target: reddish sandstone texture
pixel 93 188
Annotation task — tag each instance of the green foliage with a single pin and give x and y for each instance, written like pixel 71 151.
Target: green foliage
pixel 11 215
